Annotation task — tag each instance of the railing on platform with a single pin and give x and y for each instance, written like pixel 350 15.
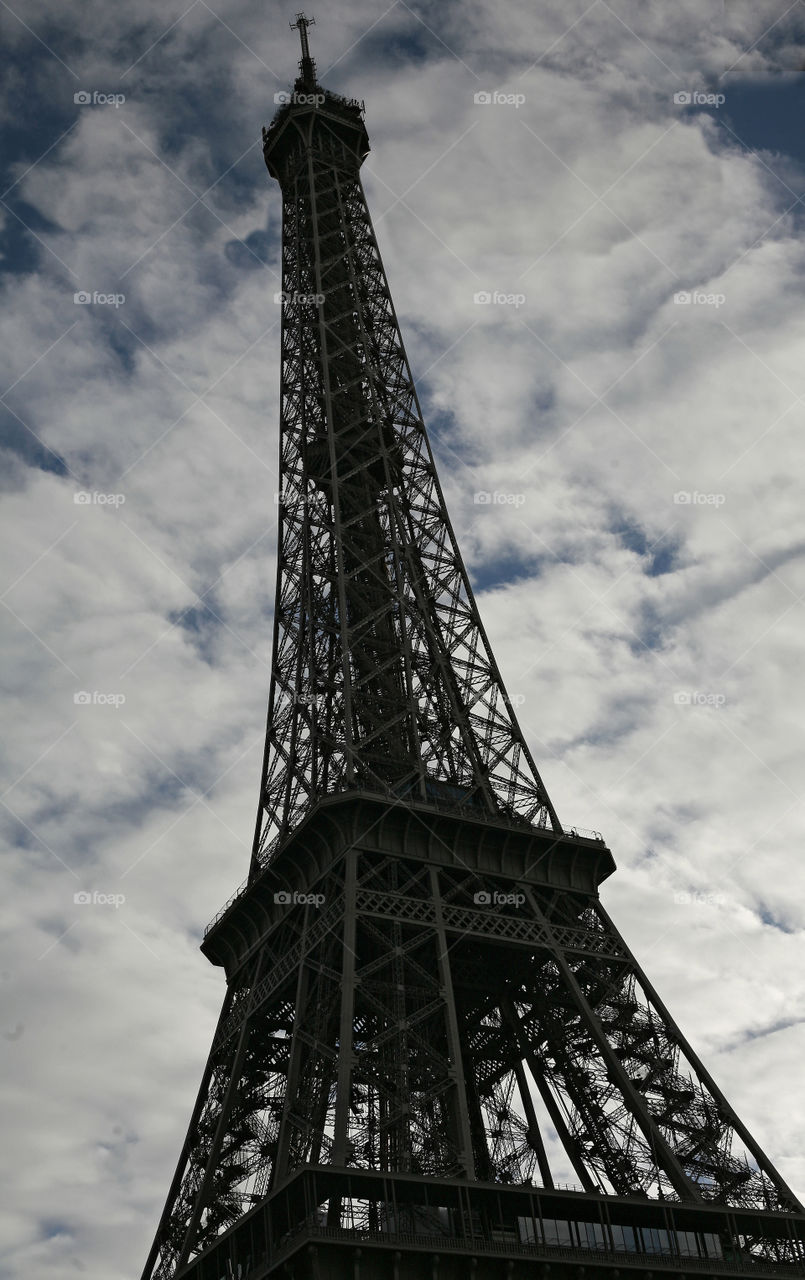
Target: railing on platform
pixel 439 806
pixel 676 1261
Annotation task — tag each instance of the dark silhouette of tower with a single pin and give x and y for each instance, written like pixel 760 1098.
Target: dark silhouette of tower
pixel 425 995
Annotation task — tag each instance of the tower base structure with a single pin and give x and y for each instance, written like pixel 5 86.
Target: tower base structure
pixel 423 1003
pixel 432 1229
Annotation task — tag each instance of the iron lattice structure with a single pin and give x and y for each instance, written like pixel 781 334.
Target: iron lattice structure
pixel 426 1000
pixel 382 677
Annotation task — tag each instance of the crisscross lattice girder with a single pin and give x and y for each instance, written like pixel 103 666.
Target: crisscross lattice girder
pixel 414 1019
pixel 382 676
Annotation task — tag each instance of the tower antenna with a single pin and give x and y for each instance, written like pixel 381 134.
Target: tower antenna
pixel 307 67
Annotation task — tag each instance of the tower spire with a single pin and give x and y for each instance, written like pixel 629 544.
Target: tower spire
pixel 307 67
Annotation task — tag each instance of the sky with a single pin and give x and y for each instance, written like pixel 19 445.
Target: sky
pixel 592 222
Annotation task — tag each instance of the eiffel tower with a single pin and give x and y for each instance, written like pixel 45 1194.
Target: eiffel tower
pixel 425 996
